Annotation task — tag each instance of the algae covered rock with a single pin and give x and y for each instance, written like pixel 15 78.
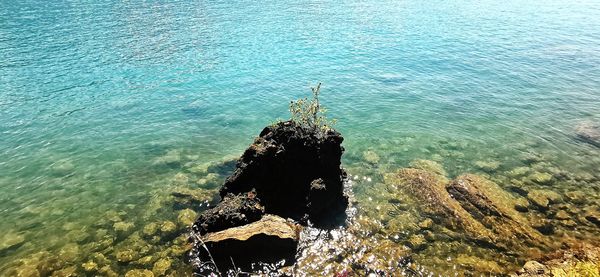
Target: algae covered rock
pixel 543 198
pixel 139 273
pixel 126 255
pixel 122 226
pixel 89 266
pixel 471 205
pixel 186 217
pixel 150 229
pixel 168 227
pixel 429 190
pixel 371 157
pixel 186 197
pixel 542 178
pixel 519 171
pixel 488 166
pixel 488 203
pixel 416 242
pixel 429 166
pixel 161 266
pixel 582 260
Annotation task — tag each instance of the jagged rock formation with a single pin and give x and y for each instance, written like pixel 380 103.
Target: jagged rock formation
pixel 232 211
pixel 289 171
pixel 295 171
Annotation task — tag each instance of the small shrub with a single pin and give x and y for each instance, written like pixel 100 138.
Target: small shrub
pixel 309 113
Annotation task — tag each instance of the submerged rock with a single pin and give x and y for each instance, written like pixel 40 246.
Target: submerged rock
pixel 488 166
pixel 429 190
pixel 168 227
pixel 139 273
pixel 542 178
pixel 588 132
pixel 543 198
pixel 371 157
pixel 186 217
pixel 519 171
pixel 593 216
pixel 492 206
pixel 11 240
pixel 430 166
pixel 161 266
pixel 185 197
pixel 89 266
pixel 583 260
pixel 471 204
pixel 122 226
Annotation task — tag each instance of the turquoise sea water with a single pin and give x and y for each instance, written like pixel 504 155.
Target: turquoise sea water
pixel 106 107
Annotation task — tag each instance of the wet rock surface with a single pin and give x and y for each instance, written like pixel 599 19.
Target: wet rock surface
pixel 295 171
pixel 232 211
pixel 270 240
pixel 289 171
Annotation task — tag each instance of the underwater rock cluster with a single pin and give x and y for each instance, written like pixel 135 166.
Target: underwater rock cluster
pixel 468 204
pixel 583 260
pixel 289 171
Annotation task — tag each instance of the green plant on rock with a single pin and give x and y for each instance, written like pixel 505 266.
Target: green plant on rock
pixel 309 113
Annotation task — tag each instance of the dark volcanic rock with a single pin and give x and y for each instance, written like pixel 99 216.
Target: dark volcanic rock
pixel 295 171
pixel 233 210
pixel 289 171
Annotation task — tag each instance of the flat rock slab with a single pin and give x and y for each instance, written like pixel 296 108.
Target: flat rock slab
pixel 269 225
pixel 270 240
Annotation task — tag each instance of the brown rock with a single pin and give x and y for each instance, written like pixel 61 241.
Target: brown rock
pixel 492 206
pixel 429 190
pixel 269 240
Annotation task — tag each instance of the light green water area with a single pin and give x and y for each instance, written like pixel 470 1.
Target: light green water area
pixel 120 120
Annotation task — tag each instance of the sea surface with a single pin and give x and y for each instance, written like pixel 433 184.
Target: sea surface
pixel 108 107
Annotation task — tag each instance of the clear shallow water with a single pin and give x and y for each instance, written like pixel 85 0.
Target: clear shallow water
pixel 94 96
